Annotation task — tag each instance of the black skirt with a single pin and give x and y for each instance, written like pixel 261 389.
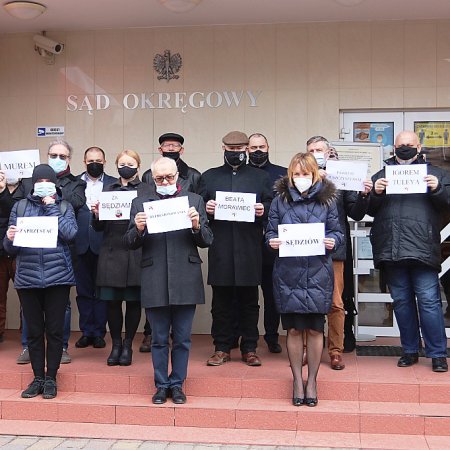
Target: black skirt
pixel 303 321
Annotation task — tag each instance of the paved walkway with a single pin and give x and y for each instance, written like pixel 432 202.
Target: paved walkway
pixel 46 443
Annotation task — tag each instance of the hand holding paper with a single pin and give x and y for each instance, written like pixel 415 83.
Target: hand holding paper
pixel 140 219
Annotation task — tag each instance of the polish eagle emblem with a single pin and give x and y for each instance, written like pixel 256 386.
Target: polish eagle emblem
pixel 167 65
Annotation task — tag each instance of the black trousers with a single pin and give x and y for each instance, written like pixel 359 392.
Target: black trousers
pixel 223 321
pixel 271 315
pixel 44 311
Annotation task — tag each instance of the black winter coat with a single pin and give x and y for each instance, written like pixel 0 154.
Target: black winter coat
pixel 171 264
pixel 234 258
pixel 304 284
pixel 38 268
pixel 189 179
pixel 118 266
pixel 406 227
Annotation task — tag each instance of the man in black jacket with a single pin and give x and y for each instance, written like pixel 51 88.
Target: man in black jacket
pixel 235 260
pixel 405 239
pixel 258 156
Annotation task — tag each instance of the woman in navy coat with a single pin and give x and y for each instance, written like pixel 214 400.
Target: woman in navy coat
pixel 303 286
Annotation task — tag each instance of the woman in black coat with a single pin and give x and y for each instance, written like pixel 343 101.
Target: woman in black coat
pixel 303 285
pixel 119 269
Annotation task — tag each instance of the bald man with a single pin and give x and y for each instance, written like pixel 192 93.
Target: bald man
pixel 405 241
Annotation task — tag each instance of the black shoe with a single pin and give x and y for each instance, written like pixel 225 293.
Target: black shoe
pixel 146 346
pixel 50 389
pixel 349 343
pixel 275 348
pixel 34 388
pixel 98 342
pixel 2 337
pixel 84 341
pixel 297 401
pixel 311 401
pixel 127 353
pixel 116 351
pixel 408 359
pixel 178 396
pixel 439 364
pixel 160 396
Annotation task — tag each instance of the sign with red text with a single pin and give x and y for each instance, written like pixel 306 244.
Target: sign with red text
pixel 406 179
pixel 235 206
pixel 301 239
pixel 115 205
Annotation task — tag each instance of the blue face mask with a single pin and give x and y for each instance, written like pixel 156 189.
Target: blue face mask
pixel 168 189
pixel 44 189
pixel 320 158
pixel 57 164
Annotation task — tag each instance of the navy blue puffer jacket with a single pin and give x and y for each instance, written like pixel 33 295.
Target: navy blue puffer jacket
pixel 304 284
pixel 44 267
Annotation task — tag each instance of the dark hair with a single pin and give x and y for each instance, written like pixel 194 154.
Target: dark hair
pixel 98 149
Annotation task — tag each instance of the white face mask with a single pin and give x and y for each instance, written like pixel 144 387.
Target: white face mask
pixel 44 189
pixel 302 184
pixel 168 189
pixel 320 158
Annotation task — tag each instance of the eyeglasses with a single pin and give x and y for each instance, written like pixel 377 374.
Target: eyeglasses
pixel 171 145
pixel 161 179
pixel 54 156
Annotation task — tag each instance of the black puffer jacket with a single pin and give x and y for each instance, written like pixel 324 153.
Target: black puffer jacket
pixel 407 227
pixel 304 284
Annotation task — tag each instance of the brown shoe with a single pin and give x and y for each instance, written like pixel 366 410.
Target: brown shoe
pixel 218 358
pixel 146 346
pixel 251 359
pixel 336 362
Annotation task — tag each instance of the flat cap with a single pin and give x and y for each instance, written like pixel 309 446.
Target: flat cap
pixel 43 172
pixel 171 137
pixel 235 138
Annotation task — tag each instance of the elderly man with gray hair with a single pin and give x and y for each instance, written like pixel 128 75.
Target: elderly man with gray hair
pixel 170 260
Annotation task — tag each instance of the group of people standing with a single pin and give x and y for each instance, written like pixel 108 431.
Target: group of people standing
pixel 123 260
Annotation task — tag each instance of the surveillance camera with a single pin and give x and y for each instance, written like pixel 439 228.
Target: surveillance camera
pixel 48 45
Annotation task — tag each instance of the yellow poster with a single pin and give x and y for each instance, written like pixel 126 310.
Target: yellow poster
pixel 433 134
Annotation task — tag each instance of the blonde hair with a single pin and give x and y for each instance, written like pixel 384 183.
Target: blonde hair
pixel 307 163
pixel 131 154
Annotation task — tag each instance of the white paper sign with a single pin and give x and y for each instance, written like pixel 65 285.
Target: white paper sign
pixel 235 206
pixel 407 179
pixel 347 175
pixel 19 163
pixel 36 232
pixel 167 215
pixel 302 239
pixel 115 205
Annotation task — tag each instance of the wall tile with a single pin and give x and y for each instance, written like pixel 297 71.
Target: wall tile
pixel 323 113
pixel 387 97
pixel 354 55
pixel 420 97
pixel 357 98
pixel 443 53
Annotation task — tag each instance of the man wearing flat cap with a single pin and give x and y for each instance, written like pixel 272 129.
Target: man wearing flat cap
pixel 235 259
pixel 171 146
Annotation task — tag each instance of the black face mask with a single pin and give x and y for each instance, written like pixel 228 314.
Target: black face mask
pixel 94 169
pixel 258 158
pixel 172 155
pixel 235 159
pixel 404 152
pixel 127 172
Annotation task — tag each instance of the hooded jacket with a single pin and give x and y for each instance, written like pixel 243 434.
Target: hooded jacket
pixel 304 284
pixel 44 267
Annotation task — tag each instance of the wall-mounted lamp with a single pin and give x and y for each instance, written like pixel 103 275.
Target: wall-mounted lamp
pixel 180 6
pixel 24 10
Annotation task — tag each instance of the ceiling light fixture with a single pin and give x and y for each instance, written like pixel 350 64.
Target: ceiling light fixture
pixel 24 10
pixel 349 2
pixel 180 6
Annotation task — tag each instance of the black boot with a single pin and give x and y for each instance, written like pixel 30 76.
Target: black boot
pixel 349 337
pixel 114 357
pixel 127 353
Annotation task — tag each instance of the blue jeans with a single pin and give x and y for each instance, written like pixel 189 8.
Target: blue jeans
pixel 162 319
pixel 406 283
pixel 67 318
